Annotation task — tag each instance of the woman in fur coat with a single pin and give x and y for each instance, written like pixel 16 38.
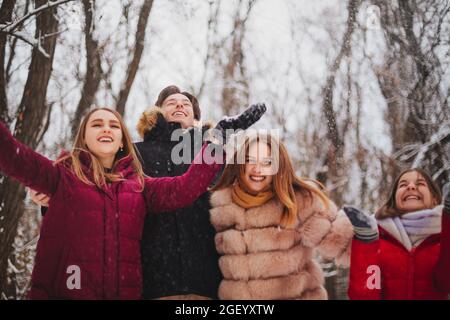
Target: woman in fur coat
pixel 270 224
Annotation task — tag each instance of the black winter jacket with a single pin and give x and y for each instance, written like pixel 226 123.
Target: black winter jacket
pixel 178 250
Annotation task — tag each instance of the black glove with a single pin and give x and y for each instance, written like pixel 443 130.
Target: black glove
pixel 446 197
pixel 241 121
pixel 365 226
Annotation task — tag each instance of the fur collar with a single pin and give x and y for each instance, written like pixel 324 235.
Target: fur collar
pixel 225 214
pixel 153 120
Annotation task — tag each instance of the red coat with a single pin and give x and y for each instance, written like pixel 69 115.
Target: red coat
pixel 423 273
pixel 96 230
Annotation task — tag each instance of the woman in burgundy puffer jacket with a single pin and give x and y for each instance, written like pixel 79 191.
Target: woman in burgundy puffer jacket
pixel 89 246
pixel 405 252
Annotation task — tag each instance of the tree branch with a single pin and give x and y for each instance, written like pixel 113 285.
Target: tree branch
pixel 138 49
pixel 9 28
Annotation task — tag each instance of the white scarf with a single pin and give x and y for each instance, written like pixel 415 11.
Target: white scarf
pixel 410 229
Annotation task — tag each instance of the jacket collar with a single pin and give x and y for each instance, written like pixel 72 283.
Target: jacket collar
pixel 422 224
pixel 123 166
pixel 162 130
pixel 386 235
pixel 153 126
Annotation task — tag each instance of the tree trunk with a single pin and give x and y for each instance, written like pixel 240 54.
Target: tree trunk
pixel 335 152
pixel 93 69
pixel 29 125
pixel 235 92
pixel 138 49
pixel 410 81
pixel 6 11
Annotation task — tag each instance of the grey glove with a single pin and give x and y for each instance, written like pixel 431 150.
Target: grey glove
pixel 241 121
pixel 365 226
pixel 446 197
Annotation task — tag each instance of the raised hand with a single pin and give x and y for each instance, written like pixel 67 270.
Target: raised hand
pixel 242 121
pixel 365 226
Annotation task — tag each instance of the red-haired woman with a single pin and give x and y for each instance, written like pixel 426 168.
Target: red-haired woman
pixel 270 224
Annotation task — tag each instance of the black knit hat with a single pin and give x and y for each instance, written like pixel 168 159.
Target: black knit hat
pixel 168 91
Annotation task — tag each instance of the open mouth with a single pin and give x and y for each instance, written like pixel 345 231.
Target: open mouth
pixel 105 139
pixel 257 178
pixel 178 113
pixel 411 197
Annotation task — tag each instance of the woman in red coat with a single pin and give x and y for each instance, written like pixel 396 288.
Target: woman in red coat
pixel 89 246
pixel 405 252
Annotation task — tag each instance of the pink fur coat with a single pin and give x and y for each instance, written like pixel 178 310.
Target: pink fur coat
pixel 262 260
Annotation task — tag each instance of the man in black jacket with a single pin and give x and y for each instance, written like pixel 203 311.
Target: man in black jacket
pixel 179 257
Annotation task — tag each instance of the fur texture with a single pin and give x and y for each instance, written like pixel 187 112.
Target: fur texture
pixel 262 260
pixel 149 119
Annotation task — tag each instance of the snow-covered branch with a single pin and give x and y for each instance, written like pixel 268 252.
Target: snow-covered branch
pixel 419 150
pixel 27 245
pixel 9 28
pixel 24 37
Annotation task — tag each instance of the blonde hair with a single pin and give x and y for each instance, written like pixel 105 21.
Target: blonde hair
pixel 285 182
pixel 100 176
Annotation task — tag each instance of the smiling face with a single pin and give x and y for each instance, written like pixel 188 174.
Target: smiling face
pixel 103 136
pixel 178 108
pixel 413 193
pixel 258 172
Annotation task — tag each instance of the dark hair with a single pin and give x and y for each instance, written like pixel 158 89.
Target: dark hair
pixel 170 90
pixel 389 209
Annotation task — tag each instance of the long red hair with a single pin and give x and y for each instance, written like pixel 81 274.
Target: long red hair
pixel 285 181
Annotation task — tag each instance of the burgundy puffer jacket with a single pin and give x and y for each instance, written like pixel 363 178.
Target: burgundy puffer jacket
pixel 91 230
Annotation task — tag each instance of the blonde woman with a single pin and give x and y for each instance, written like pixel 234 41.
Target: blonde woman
pixel 270 224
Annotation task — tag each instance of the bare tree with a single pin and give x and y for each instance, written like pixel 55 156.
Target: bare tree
pixel 212 46
pixel 137 54
pixel 411 82
pixel 335 155
pixel 6 11
pixel 29 124
pixel 94 71
pixel 95 55
pixel 11 28
pixel 235 89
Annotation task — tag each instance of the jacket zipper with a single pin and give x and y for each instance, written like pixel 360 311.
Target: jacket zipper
pixel 411 273
pixel 104 247
pixel 116 196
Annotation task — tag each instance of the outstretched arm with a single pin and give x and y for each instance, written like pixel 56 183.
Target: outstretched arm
pixel 327 230
pixel 365 267
pixel 365 279
pixel 171 193
pixel 28 167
